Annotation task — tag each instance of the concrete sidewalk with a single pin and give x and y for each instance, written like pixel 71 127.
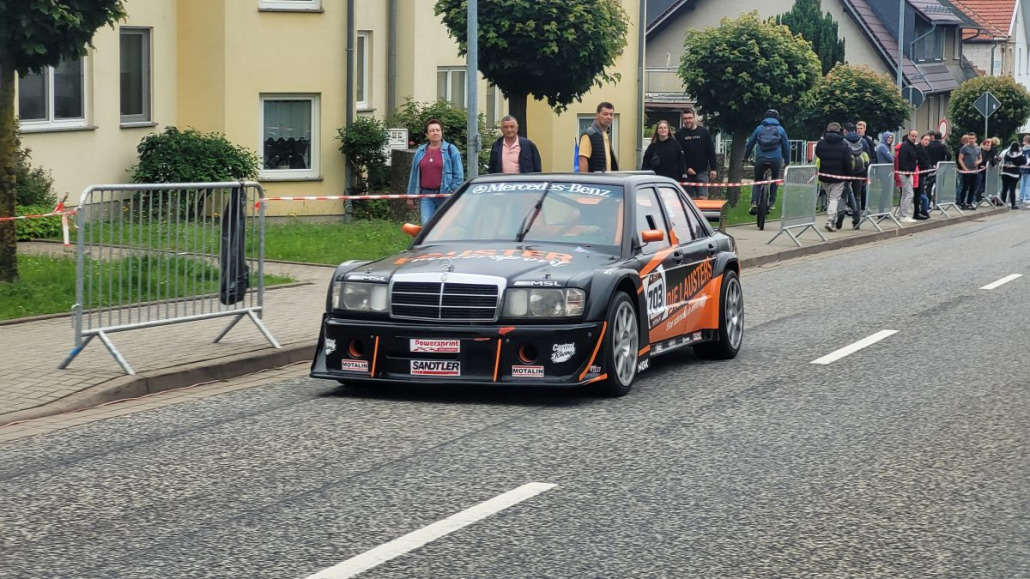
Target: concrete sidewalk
pixel 181 355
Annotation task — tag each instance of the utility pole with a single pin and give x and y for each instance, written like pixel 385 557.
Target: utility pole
pixel 472 82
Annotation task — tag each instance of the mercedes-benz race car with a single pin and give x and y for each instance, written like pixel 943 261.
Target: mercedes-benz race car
pixel 543 279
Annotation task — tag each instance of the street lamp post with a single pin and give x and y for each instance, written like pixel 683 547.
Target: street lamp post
pixel 901 44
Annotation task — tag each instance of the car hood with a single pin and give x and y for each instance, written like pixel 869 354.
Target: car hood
pixel 513 261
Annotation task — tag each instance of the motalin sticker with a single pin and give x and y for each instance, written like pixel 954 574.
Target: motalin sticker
pixel 527 371
pixel 354 365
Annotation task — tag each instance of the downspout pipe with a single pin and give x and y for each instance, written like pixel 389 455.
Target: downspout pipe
pixel 391 74
pixel 641 47
pixel 348 176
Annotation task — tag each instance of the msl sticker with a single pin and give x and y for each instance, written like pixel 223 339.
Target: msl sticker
pixel 435 346
pixel 435 368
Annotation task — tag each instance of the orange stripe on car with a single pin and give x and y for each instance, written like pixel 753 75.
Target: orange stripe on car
pixel 505 330
pixel 375 356
pixel 604 328
pixel 497 361
pixel 601 377
pixel 644 350
pixel 657 260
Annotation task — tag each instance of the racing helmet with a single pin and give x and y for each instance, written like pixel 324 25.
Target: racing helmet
pixel 772 114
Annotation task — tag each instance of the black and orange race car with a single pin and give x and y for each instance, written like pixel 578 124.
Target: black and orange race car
pixel 544 279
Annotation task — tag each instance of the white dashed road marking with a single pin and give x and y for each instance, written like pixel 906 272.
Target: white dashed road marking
pixel 415 539
pixel 846 350
pixel 1002 281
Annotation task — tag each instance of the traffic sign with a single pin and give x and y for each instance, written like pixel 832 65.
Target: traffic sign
pixel 942 128
pixel 987 104
pixel 914 96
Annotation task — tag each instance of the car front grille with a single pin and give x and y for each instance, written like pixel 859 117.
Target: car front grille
pixel 462 300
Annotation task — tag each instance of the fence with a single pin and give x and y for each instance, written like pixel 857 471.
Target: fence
pixel 153 255
pixel 799 191
pixel 992 185
pixel 880 196
pixel 946 188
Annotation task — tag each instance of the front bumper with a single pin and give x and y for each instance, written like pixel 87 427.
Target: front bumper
pixel 357 351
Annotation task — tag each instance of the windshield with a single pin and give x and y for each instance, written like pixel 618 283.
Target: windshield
pixel 583 214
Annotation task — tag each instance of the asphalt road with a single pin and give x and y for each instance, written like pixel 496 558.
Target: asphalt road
pixel 908 458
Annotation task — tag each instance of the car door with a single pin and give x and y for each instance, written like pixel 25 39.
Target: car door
pixel 688 271
pixel 657 260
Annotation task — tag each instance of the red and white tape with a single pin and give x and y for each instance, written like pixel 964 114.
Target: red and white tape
pixel 350 197
pixel 58 210
pixel 719 184
pixel 843 177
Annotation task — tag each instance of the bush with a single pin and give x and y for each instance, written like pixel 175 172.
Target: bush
pixel 364 143
pixel 41 228
pixel 34 186
pixel 414 115
pixel 176 156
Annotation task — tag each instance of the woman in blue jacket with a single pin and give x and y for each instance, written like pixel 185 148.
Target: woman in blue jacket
pixel 436 168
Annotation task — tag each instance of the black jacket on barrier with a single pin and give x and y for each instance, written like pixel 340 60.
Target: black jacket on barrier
pixel 232 251
pixel 833 153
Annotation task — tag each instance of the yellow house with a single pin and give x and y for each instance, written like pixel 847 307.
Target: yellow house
pixel 272 76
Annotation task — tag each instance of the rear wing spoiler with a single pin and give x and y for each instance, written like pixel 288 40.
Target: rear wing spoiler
pixel 714 211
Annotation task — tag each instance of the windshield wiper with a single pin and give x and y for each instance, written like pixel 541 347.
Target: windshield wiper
pixel 527 222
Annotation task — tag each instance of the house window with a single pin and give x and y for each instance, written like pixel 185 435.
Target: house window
pixel 53 98
pixel 495 109
pixel 450 86
pixel 361 69
pixel 930 45
pixel 289 137
pixel 134 75
pixel 613 135
pixel 291 5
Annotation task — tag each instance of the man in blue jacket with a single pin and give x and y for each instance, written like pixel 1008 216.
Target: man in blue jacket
pixel 512 153
pixel 772 152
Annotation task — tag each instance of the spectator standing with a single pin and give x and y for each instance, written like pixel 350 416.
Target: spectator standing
pixel 885 155
pixel 772 152
pixel 595 147
pixel 908 164
pixel 512 153
pixel 1024 184
pixel 968 158
pixel 436 168
pixel 699 151
pixel 860 127
pixel 1012 163
pixel 988 158
pixel 938 152
pixel 922 190
pixel 664 155
pixel 860 156
pixel 831 158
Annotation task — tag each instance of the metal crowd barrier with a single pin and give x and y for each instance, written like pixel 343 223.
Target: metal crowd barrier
pixel 880 196
pixel 992 185
pixel 946 188
pixel 798 195
pixel 153 255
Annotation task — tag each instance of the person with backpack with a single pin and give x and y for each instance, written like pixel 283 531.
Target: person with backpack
pixel 436 168
pixel 858 166
pixel 772 152
pixel 832 156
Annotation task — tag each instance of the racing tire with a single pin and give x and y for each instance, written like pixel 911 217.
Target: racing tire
pixel 619 347
pixel 731 322
pixel 763 206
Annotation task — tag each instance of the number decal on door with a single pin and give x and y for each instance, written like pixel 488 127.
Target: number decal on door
pixel 654 293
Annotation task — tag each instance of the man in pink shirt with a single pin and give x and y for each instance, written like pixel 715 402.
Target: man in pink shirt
pixel 512 153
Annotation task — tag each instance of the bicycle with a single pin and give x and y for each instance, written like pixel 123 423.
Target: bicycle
pixel 763 199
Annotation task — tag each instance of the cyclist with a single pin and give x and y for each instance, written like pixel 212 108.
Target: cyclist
pixel 772 151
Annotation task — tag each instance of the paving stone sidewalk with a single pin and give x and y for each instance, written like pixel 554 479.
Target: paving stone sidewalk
pixel 180 355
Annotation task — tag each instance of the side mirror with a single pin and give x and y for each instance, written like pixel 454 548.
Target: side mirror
pixel 650 235
pixel 411 229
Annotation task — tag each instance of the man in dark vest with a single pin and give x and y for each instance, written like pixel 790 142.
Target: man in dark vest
pixel 595 149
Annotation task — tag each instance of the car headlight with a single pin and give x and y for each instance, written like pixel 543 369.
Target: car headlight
pixel 359 297
pixel 544 303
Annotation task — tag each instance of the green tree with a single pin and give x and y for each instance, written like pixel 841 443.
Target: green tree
pixel 738 70
pixel 552 49
pixel 849 94
pixel 414 115
pixel 363 143
pixel 1011 114
pixel 806 19
pixel 35 34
